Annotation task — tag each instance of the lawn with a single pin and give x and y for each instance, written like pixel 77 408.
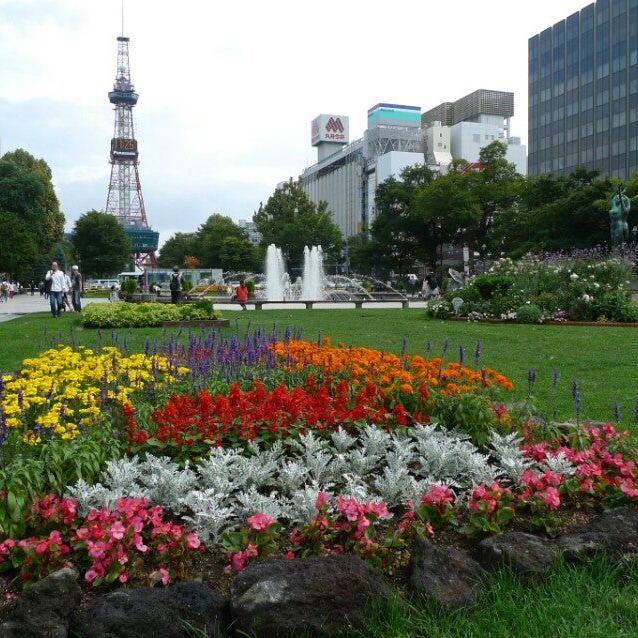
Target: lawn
pixel 601 359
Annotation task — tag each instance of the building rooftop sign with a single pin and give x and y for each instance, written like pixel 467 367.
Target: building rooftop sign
pixel 330 128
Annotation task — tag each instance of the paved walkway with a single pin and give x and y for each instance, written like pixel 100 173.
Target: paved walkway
pixel 27 304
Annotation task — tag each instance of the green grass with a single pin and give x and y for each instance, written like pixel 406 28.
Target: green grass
pixel 603 360
pixel 595 600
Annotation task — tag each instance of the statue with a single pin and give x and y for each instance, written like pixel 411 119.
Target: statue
pixel 618 215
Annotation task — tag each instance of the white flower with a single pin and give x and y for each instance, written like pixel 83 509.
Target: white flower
pixel 573 276
pixel 586 298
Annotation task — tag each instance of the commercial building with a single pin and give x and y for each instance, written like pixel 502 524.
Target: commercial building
pixel 346 174
pixel 459 130
pixel 583 92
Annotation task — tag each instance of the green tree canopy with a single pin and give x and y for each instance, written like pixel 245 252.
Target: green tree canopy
pixel 17 246
pixel 176 248
pixel 238 254
pixel 39 208
pixel 102 243
pixel 210 237
pixel 291 221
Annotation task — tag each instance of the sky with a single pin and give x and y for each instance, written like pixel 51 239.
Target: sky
pixel 228 89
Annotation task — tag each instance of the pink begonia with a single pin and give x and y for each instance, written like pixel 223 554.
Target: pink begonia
pixel 117 531
pixel 322 500
pixel 260 522
pixel 289 556
pixel 251 551
pixel 122 577
pixel 166 577
pixel 551 498
pixel 628 487
pixel 193 541
pixel 90 575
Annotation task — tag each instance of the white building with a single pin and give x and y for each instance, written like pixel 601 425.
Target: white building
pixel 473 122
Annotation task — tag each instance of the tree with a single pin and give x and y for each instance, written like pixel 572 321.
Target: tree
pixel 445 211
pixel 291 221
pixel 363 254
pixel 210 237
pixel 394 226
pixel 177 248
pixel 17 246
pixel 102 243
pixel 496 185
pixel 238 254
pixel 49 222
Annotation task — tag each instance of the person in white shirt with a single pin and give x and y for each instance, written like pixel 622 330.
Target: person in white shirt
pixel 58 287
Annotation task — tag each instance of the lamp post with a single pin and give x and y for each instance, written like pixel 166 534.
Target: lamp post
pixel 483 249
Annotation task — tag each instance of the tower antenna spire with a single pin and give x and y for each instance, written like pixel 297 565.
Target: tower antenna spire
pixel 122 17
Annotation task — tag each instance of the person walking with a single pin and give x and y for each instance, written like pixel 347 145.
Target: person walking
pixel 56 277
pixel 175 285
pixel 241 294
pixel 77 288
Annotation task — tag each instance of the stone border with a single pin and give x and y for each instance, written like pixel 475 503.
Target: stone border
pixel 322 595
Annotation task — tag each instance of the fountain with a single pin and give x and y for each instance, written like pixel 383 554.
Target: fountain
pixel 313 281
pixel 276 275
pixel 275 284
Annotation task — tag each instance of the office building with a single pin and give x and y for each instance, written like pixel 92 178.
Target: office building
pixel 583 92
pixel 459 130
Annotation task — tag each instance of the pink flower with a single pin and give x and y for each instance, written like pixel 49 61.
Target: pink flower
pixel 90 575
pixel 251 551
pixel 117 531
pixel 192 541
pixel 42 547
pixel 139 544
pixel 55 537
pixel 289 556
pixel 122 577
pixel 551 498
pixel 260 522
pixel 322 500
pixel 238 561
pixel 166 577
pixel 628 488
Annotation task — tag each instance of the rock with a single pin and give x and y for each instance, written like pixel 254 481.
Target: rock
pixel 615 531
pixel 153 611
pixel 527 554
pixel 43 610
pixel 447 575
pixel 317 595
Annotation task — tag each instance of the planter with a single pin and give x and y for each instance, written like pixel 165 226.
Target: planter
pixel 197 323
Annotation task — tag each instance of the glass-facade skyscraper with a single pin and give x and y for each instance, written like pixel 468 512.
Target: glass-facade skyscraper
pixel 583 92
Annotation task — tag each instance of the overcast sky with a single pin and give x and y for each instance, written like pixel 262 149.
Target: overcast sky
pixel 228 89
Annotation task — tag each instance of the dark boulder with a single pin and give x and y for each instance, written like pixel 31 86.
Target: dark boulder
pixel 315 596
pixel 43 610
pixel 447 575
pixel 529 555
pixel 153 611
pixel 615 531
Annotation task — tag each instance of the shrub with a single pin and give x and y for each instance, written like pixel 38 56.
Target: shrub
pixel 529 313
pixel 614 307
pixel 129 286
pixel 144 315
pixel 490 286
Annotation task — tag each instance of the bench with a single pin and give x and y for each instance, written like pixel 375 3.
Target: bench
pixel 358 303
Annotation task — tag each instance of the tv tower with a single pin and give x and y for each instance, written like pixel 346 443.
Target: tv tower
pixel 125 199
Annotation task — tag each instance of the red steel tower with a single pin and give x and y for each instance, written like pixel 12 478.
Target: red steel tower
pixel 125 199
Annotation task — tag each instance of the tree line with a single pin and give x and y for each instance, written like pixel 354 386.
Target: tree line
pixel 487 206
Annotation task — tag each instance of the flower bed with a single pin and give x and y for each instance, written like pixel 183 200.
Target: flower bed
pixel 535 290
pixel 281 446
pixel 129 315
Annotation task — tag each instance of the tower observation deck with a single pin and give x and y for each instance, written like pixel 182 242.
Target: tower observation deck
pixel 124 198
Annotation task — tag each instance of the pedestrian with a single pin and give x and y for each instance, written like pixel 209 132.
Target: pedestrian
pixel 175 285
pixel 32 287
pixel 4 291
pixel 77 288
pixel 241 294
pixel 56 277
